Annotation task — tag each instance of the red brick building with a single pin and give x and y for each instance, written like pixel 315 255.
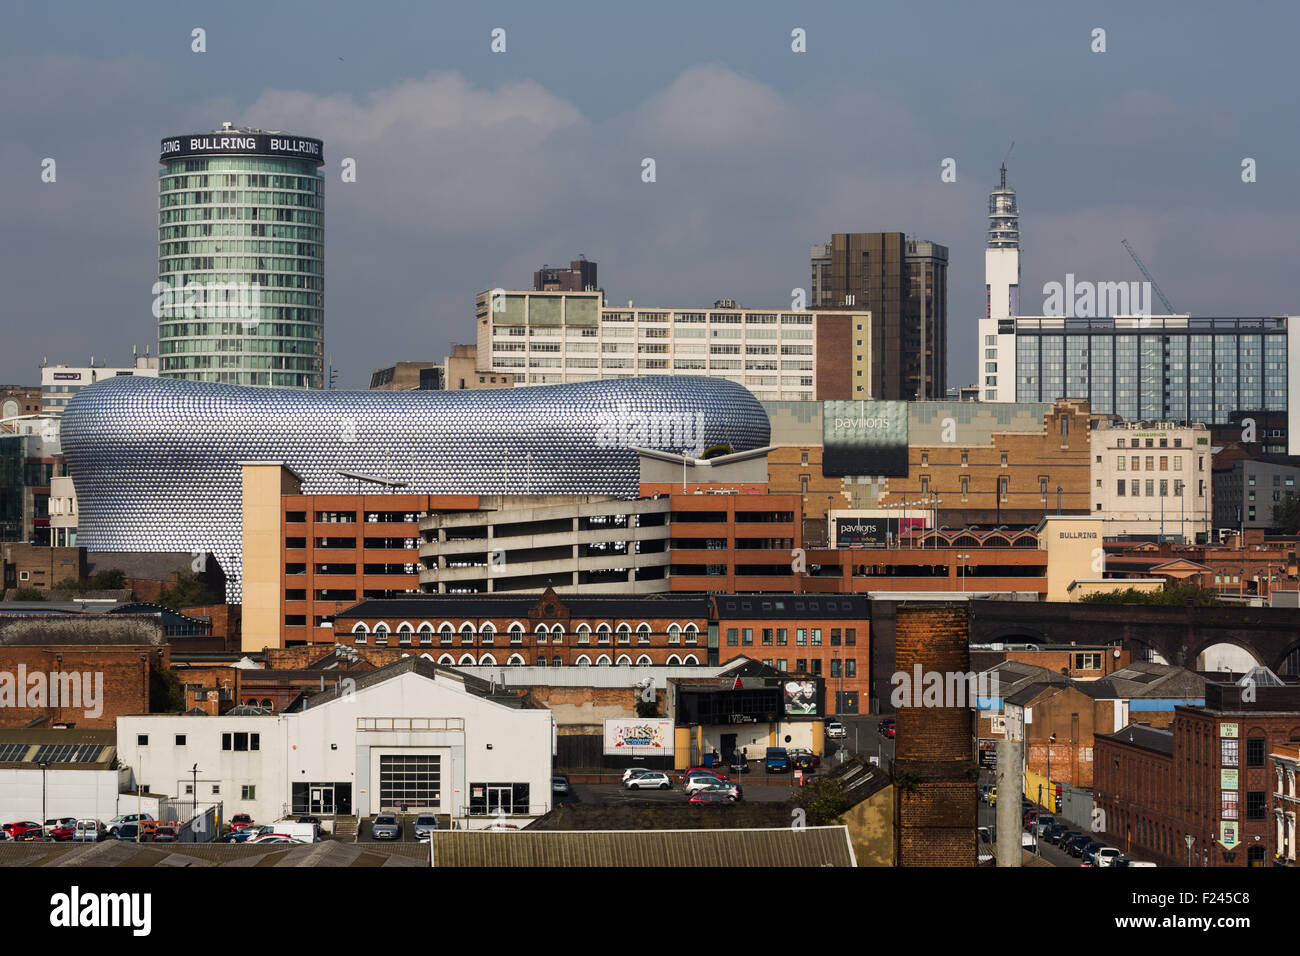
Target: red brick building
pixel 1208 778
pixel 80 669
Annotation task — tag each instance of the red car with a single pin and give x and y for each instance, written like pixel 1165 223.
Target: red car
pixel 711 796
pixel 19 831
pixel 240 821
pixel 63 832
pixel 887 727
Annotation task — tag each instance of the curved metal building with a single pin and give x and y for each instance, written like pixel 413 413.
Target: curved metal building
pixel 155 462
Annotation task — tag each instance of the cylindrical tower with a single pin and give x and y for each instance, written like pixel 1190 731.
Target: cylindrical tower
pixel 240 297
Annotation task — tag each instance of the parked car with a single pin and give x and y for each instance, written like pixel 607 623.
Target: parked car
pixel 703 782
pixel 88 831
pixel 425 824
pixel 1075 844
pixel 238 836
pixel 164 835
pixel 274 838
pixel 887 727
pixel 560 786
pixel 652 780
pixel 19 830
pixel 712 795
pixel 1042 822
pixel 117 821
pixel 836 730
pixel 240 821
pixel 1089 852
pixel 1106 856
pixel 55 822
pixel 739 765
pixel 127 832
pixel 64 831
pixel 631 772
pixel 4 836
pixel 993 796
pixel 804 751
pixel 707 771
pixel 777 761
pixel 386 827
pixel 1056 831
pixel 726 786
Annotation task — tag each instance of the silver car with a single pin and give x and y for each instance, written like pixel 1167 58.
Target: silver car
pixel 425 824
pixel 386 827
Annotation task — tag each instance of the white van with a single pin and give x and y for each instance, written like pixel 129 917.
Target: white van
pixel 303 832
pixel 88 831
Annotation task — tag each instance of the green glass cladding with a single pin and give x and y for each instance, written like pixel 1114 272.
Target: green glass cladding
pixel 251 228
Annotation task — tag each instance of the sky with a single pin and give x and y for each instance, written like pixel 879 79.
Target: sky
pixel 474 168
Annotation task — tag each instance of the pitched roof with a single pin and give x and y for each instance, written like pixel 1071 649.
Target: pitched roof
pixel 425 668
pixel 1148 738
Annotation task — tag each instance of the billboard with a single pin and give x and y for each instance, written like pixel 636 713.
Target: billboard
pixel 639 735
pixel 866 437
pixel 800 698
pixel 874 532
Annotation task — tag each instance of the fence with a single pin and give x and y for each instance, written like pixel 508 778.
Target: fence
pixel 1076 806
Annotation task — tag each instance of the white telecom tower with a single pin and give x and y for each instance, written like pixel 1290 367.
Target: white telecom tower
pixel 997 377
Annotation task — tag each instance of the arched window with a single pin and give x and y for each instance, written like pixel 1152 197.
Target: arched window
pixel 643 660
pixel 445 632
pixel 584 633
pixel 557 633
pixel 625 633
pixel 404 632
pixel 602 634
pixel 266 703
pixel 467 658
pixel 673 660
pixel 359 632
pixel 674 634
pixel 643 633
pixel 488 660
pixel 692 634
pixel 516 633
pixel 515 660
pixel 381 633
pixel 690 660
pixel 426 633
pixel 467 633
pixel 602 660
pixel 557 661
pixel 540 633
pixel 583 661
pixel 447 659
pixel 623 660
pixel 487 633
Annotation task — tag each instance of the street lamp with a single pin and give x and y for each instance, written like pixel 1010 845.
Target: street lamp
pixel 194 807
pixel 44 766
pixel 961 558
pixel 1051 796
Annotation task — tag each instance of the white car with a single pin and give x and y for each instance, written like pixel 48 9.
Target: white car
pixel 650 780
pixel 1106 856
pixel 835 730
pixel 274 838
pixel 631 772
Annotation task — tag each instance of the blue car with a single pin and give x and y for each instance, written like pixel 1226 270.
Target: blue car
pixel 778 761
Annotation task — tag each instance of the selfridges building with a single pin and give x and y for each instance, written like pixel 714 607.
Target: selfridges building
pixel 156 462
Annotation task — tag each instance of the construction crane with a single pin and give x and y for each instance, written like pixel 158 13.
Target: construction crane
pixel 1169 309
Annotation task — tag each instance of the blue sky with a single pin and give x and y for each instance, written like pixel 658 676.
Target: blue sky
pixel 474 168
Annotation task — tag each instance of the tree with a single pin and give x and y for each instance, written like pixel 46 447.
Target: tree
pixel 823 800
pixel 188 592
pixel 1286 515
pixel 1174 595
pixel 28 594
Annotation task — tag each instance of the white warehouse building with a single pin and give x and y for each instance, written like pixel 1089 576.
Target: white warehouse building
pixel 412 734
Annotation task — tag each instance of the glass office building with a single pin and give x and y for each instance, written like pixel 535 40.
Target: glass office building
pixel 1165 368
pixel 241 270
